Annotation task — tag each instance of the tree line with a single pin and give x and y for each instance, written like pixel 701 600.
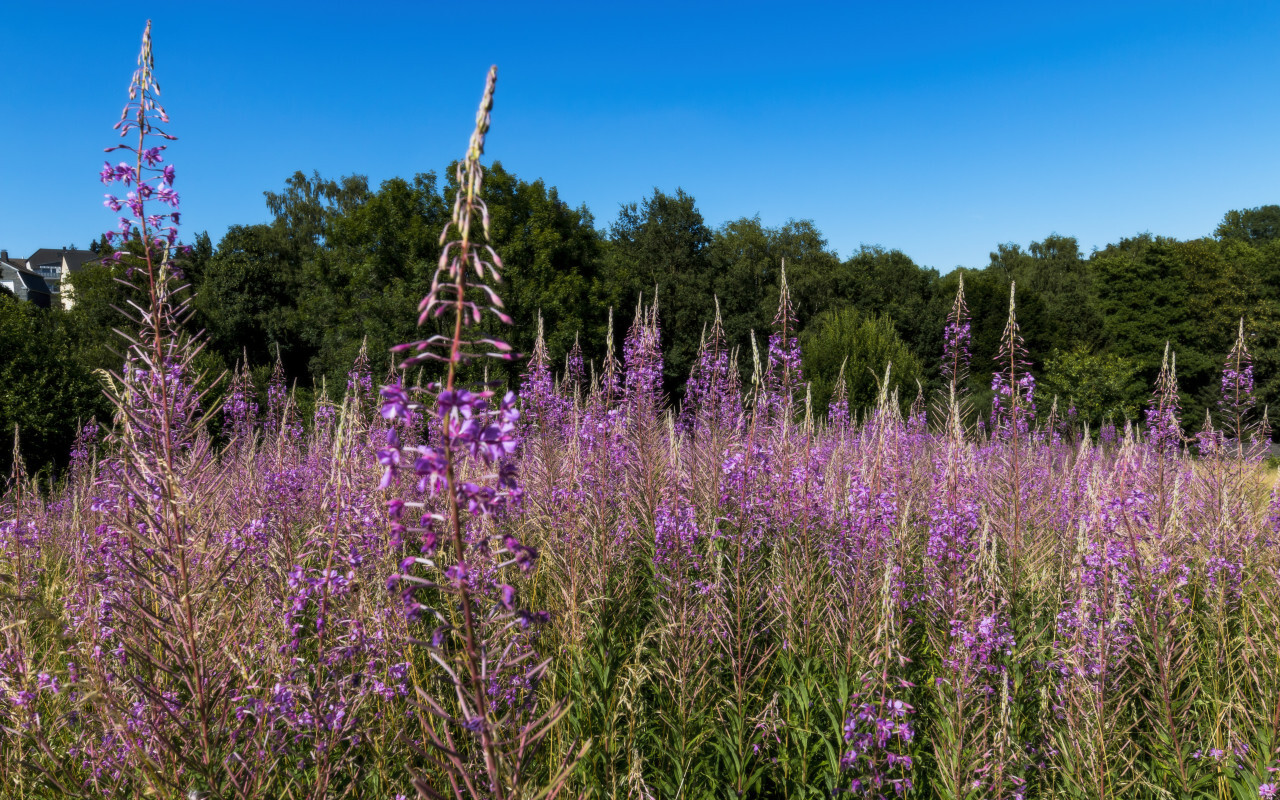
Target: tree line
pixel 342 265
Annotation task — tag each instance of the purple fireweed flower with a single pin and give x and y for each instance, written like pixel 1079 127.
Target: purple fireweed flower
pixel 838 411
pixel 1236 401
pixel 1164 427
pixel 547 407
pixel 1012 385
pixel 465 464
pixel 783 377
pixel 642 356
pixel 878 733
pixel 126 173
pixel 712 400
pixel 166 195
pixel 676 548
pixel 956 340
pixel 396 404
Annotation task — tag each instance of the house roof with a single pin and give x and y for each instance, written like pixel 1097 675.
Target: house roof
pixel 32 280
pixel 30 285
pixel 75 258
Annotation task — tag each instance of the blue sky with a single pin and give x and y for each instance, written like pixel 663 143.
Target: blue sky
pixel 938 129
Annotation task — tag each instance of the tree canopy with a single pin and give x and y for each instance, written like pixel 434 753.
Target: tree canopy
pixel 342 265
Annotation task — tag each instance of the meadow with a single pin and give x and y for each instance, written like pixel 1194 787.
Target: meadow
pixel 433 586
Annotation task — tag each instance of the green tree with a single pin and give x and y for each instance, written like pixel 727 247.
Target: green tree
pixel 987 294
pixel 1100 386
pixel 1191 294
pixel 746 261
pixel 1056 273
pixel 379 252
pixel 866 345
pixel 349 265
pixel 880 281
pixel 44 390
pixel 1259 224
pixel 91 323
pixel 246 302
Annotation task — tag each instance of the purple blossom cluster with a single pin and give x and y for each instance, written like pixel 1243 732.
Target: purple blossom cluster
pixel 712 399
pixel 878 733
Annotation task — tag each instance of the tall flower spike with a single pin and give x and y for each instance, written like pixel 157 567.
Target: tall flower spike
pixel 240 406
pixel 956 355
pixel 783 377
pixel 695 386
pixel 177 617
pixel 144 178
pixel 956 341
pixel 1013 386
pixel 468 465
pixel 1209 439
pixel 1164 427
pixel 917 416
pixel 574 371
pixel 453 288
pixel 784 319
pixel 838 413
pixel 610 368
pixel 536 387
pixel 882 395
pixel 757 375
pixel 807 426
pixel 1261 443
pixel 642 355
pixel 539 356
pixel 1237 398
pixel 712 400
pixel 717 325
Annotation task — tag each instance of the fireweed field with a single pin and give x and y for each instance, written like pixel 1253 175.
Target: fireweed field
pixel 581 590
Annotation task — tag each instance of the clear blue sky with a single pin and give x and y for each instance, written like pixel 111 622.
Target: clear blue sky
pixel 939 129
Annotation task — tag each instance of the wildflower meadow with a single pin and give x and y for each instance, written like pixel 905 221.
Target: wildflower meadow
pixel 445 582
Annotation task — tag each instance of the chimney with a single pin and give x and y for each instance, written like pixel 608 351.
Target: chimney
pixel 4 255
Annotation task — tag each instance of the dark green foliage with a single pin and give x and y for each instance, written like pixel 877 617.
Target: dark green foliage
pixel 1054 272
pixel 1260 224
pixel 92 320
pixel 879 281
pixel 1100 386
pixel 812 706
pixel 376 263
pixel 246 300
pixel 865 346
pixel 44 390
pixel 551 253
pixel 1191 294
pixel 342 265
